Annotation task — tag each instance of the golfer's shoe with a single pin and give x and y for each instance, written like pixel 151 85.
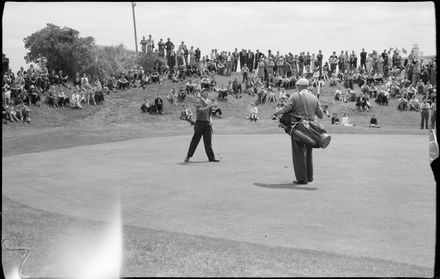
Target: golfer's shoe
pixel 214 160
pixel 186 159
pixel 300 182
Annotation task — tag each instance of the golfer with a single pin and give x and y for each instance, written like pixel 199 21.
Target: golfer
pixel 203 127
pixel 295 105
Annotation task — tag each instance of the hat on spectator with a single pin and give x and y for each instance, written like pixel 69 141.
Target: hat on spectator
pixel 302 81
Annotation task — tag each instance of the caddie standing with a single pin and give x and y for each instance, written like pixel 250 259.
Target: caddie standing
pixel 307 106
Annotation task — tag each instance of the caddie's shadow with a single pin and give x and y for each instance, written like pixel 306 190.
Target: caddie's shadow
pixel 285 186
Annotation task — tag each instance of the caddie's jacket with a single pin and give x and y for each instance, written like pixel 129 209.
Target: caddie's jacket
pixel 294 105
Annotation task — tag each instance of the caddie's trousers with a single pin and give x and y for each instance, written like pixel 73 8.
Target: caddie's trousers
pixel 302 161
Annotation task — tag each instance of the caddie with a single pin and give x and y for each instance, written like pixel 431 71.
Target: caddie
pixel 306 106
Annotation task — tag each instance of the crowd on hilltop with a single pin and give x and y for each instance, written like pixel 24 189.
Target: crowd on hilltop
pixel 266 76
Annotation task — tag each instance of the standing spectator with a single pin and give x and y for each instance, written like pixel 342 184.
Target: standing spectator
pixel 242 56
pixel 424 114
pixel 171 57
pixel 318 64
pixel 229 63
pixel 169 47
pixel 161 48
pixel 198 55
pixel 150 45
pixel 433 114
pixel 245 71
pixel 363 56
pixel 143 44
pixel 250 61
pixel 333 61
pixel 235 55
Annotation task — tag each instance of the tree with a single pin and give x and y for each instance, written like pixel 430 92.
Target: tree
pixel 61 48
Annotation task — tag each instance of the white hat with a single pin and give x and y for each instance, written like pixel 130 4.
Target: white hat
pixel 302 81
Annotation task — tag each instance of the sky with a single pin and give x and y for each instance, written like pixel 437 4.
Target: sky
pixel 284 26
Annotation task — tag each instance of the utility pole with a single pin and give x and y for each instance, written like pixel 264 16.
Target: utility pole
pixel 133 4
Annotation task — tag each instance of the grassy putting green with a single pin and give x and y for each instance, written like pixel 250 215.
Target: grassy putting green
pixel 365 201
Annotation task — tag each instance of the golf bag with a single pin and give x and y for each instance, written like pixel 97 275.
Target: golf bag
pixel 308 132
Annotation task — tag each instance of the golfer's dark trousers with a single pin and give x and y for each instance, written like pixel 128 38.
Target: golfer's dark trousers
pixel 302 161
pixel 202 128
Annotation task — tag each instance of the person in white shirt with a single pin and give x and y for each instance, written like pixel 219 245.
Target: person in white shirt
pixel 253 112
pixel 346 121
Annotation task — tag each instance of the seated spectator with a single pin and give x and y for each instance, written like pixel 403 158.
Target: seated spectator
pixel 63 79
pixel 414 104
pixel 373 122
pixel 366 106
pixel 145 80
pixel 262 95
pixel 89 94
pixel 158 103
pixel 335 118
pixel 111 84
pixel 216 111
pixel 333 79
pixel 23 113
pixel 147 106
pixel 155 77
pixel 324 108
pixel 63 100
pixel 6 92
pixel 236 88
pixel 172 97
pixel 189 87
pixel 351 95
pixel 222 94
pixel 346 121
pixel 205 83
pixel 212 83
pixel 182 94
pixel 77 80
pixel 373 91
pixel 98 92
pixel 382 97
pixel 35 97
pixel 11 113
pixel 75 100
pixel 54 79
pixel 52 97
pixel 4 114
pixel 403 104
pixel 338 93
pixel 253 113
pixel 359 102
pixel 272 97
pixel 123 83
pixel 187 115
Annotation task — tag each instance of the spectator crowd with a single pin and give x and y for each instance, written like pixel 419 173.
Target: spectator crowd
pixel 267 76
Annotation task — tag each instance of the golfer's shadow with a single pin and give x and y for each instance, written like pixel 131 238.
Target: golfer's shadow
pixel 193 162
pixel 285 186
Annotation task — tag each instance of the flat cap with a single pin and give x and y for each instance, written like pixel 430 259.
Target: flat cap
pixel 302 81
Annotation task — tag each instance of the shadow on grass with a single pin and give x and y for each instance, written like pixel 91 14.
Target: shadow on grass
pixel 194 162
pixel 285 186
